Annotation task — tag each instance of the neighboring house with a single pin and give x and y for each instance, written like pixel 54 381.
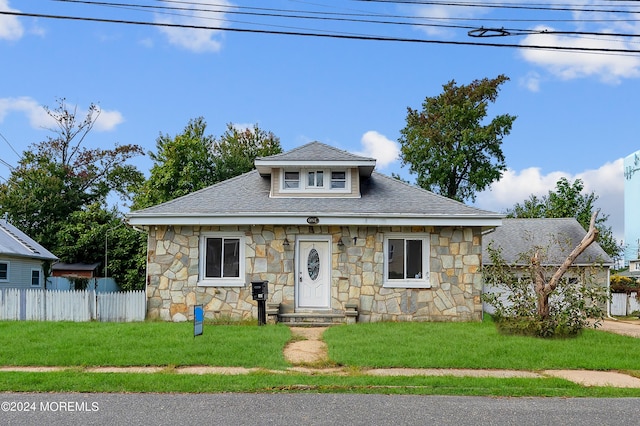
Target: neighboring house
pixel 330 235
pixel 556 238
pixel 22 260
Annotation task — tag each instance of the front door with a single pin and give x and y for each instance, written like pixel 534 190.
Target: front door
pixel 314 274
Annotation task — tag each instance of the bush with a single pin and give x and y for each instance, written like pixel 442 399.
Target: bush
pixel 572 304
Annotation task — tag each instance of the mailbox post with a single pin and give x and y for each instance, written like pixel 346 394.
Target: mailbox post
pixel 260 291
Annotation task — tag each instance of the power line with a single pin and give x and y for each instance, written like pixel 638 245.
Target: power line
pixel 326 35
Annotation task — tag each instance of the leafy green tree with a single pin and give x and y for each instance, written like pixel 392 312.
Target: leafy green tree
pixel 59 183
pixel 447 145
pixel 192 160
pixel 182 164
pixel 568 200
pixel 236 150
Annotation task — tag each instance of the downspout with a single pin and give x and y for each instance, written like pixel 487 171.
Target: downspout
pixel 609 295
pixel 146 267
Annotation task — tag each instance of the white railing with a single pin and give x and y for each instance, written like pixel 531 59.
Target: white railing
pixel 82 305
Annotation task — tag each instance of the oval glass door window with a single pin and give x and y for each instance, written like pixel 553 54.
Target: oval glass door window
pixel 313 264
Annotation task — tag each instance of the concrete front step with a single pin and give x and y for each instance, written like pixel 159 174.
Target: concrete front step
pixel 312 319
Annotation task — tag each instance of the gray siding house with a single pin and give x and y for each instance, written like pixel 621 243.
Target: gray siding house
pixel 335 240
pixel 22 260
pixel 557 238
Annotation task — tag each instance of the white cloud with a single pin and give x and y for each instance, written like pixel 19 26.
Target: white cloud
pixel 10 26
pixel 384 150
pixel 197 40
pixel 39 119
pixel 567 65
pixel 107 120
pixel 606 182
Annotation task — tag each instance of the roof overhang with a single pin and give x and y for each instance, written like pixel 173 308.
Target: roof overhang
pixel 264 167
pixel 337 219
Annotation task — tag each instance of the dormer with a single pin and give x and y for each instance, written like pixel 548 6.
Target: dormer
pixel 315 170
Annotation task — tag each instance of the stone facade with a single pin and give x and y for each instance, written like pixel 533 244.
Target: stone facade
pixel 357 273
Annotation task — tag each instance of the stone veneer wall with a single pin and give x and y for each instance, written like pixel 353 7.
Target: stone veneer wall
pixel 357 274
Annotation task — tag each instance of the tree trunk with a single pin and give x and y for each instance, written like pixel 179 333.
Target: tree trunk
pixel 543 288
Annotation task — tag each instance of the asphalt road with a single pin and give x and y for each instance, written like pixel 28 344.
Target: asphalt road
pixel 310 409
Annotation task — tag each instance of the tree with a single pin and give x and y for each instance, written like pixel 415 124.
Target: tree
pixel 192 160
pixel 568 201
pixel 59 183
pixel 182 164
pixel 530 309
pixel 236 150
pixel 447 145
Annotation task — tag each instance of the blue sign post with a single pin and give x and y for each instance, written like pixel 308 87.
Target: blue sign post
pixel 198 320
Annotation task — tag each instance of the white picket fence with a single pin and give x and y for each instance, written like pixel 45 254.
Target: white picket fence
pixel 82 305
pixel 623 304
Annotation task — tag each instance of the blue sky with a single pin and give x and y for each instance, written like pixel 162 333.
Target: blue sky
pixel 577 112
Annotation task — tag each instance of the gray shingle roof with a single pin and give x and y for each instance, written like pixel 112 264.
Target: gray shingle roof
pixel 560 236
pixel 248 194
pixel 14 242
pixel 316 151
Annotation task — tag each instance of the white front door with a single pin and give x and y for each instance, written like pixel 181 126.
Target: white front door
pixel 313 288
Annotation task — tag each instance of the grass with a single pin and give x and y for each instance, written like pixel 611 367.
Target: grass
pixel 140 344
pixel 475 345
pixel 417 345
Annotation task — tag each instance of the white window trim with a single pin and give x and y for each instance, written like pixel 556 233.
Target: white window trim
pixel 5 280
pixel 39 277
pixel 303 185
pixel 424 281
pixel 222 281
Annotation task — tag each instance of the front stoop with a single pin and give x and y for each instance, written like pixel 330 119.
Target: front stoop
pixel 312 319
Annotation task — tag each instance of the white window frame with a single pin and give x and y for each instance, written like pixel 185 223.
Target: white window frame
pixel 8 271
pixel 238 281
pixel 327 180
pixel 39 271
pixel 422 282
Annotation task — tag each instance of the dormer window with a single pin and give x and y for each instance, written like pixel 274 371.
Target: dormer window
pixel 291 180
pixel 308 181
pixel 338 180
pixel 316 179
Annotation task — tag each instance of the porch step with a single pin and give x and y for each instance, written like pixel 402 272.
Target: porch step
pixel 311 319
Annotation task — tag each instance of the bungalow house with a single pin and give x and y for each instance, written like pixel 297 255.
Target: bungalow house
pixel 22 260
pixel 335 240
pixel 556 238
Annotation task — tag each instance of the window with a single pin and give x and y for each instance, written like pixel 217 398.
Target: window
pixel 35 277
pixel 315 179
pixel 407 261
pixel 222 260
pixel 4 271
pixel 291 180
pixel 338 180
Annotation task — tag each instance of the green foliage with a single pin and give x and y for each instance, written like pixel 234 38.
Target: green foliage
pixel 181 165
pixel 568 201
pixel 236 150
pixel 573 303
pixel 192 160
pixel 447 145
pixel 622 284
pixel 57 194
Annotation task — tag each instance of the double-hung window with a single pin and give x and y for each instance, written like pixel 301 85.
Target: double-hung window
pixel 35 277
pixel 291 180
pixel 4 271
pixel 406 261
pixel 338 180
pixel 222 260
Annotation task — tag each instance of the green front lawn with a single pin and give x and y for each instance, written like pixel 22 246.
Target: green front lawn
pixel 417 345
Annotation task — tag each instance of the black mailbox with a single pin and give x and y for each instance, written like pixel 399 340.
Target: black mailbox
pixel 259 290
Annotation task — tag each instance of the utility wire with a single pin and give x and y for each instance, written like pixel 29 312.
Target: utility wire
pixel 326 35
